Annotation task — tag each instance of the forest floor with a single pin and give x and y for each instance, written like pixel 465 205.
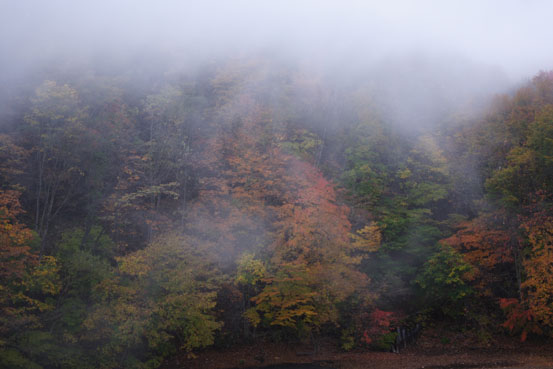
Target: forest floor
pixel 432 351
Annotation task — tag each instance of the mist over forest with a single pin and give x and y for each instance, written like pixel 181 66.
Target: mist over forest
pixel 177 177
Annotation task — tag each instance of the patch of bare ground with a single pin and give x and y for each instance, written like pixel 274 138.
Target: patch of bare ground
pixel 433 350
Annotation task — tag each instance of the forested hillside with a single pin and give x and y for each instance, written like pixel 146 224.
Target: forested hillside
pixel 143 212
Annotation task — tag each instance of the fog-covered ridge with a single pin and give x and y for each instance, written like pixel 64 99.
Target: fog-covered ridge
pixel 421 59
pixel 513 35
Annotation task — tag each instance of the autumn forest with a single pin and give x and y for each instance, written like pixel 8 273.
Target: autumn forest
pixel 146 213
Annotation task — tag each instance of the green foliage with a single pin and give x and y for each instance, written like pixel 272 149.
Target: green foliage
pixel 384 342
pixel 527 165
pixel 445 279
pixel 510 184
pixel 24 303
pixel 13 359
pixel 347 339
pixel 160 299
pixel 303 144
pixel 93 240
pixel 367 152
pixel 85 257
pixel 250 271
pixel 405 188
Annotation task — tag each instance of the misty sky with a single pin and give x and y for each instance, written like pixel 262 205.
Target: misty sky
pixel 514 35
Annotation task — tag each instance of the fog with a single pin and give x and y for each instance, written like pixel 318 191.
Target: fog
pixel 420 56
pixel 513 35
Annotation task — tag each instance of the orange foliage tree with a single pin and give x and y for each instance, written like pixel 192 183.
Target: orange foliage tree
pixel 15 252
pixel 491 249
pixel 25 285
pixel 537 286
pixel 258 196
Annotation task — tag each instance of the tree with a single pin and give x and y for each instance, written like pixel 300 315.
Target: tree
pixel 537 290
pixel 55 134
pixel 159 300
pixel 26 288
pixel 493 250
pixel 446 280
